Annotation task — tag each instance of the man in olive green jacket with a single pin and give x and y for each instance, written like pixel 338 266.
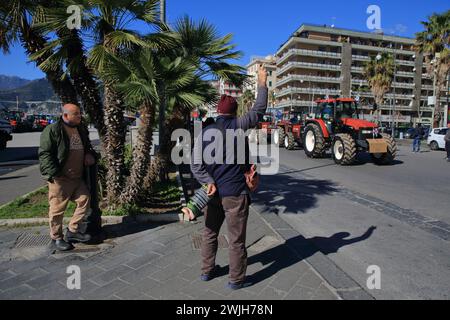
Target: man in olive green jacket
pixel 64 152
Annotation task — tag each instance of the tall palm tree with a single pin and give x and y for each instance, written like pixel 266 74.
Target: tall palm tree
pixel 379 73
pixel 106 33
pixel 434 43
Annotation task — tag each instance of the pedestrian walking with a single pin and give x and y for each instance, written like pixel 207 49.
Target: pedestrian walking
pixel 64 153
pixel 447 142
pixel 418 136
pixel 228 188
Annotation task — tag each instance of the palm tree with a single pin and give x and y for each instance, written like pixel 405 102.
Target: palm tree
pixel 272 98
pixel 140 74
pixel 434 43
pixel 379 73
pixel 106 26
pixel 200 44
pixel 245 102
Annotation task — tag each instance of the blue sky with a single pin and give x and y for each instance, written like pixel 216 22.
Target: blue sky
pixel 260 27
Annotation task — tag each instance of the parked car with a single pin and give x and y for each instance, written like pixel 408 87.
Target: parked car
pixel 5 131
pixel 436 138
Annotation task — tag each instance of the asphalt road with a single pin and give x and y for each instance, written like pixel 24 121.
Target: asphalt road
pixel 395 217
pixel 19 169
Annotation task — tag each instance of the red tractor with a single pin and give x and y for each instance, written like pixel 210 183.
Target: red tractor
pixel 336 125
pixel 265 128
pixel 289 130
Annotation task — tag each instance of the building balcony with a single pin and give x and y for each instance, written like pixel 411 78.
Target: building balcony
pixel 318 91
pixel 293 103
pixel 306 78
pixel 308 53
pixel 307 65
pixel 398 61
pixel 398 73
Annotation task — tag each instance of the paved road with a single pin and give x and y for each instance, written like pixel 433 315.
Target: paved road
pixel 19 169
pixel 337 208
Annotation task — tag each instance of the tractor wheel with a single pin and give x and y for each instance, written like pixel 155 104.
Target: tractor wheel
pixel 344 149
pixel 386 158
pixel 278 137
pixel 289 141
pixel 313 141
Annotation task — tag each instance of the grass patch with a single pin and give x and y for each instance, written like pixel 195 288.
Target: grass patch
pixel 163 198
pixel 34 205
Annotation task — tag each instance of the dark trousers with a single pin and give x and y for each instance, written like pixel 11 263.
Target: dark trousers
pixel 447 148
pixel 235 211
pixel 416 144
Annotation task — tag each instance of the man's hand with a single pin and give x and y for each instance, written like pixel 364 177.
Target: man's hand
pixel 262 76
pixel 89 160
pixel 211 190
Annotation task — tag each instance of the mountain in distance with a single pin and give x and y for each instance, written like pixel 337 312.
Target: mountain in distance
pixel 36 90
pixel 12 82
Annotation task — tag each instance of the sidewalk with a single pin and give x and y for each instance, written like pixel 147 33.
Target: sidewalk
pixel 158 261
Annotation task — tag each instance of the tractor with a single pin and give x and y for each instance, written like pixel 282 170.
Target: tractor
pixel 289 129
pixel 336 125
pixel 265 128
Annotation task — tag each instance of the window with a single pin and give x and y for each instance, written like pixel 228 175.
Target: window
pixel 270 73
pixel 442 131
pixel 270 83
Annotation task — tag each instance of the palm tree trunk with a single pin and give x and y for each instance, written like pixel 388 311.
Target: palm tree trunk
pixel 84 81
pixel 115 145
pixel 141 156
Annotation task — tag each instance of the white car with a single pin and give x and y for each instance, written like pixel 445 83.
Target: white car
pixel 436 138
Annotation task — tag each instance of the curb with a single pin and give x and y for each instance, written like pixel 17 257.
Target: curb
pixel 343 285
pixel 144 218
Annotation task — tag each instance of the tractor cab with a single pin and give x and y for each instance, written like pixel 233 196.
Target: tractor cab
pixel 336 109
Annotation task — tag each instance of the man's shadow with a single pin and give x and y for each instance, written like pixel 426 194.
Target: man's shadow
pixel 295 250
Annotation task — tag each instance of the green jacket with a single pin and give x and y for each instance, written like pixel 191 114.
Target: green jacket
pixel 54 148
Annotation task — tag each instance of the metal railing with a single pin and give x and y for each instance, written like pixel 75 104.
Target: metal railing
pixel 310 65
pixel 307 78
pixel 306 52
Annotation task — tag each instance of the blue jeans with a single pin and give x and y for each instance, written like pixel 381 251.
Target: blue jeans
pixel 416 145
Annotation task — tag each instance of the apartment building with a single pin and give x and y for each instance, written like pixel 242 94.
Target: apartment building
pixel 252 71
pixel 320 61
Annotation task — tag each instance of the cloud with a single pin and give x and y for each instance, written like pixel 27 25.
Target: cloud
pixel 398 29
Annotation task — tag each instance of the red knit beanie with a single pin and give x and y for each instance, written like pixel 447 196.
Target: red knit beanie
pixel 227 105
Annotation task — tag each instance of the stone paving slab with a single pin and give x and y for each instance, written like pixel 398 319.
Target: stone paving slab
pixel 160 262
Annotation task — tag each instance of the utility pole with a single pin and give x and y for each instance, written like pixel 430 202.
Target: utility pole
pixel 393 87
pixel 163 10
pixel 162 107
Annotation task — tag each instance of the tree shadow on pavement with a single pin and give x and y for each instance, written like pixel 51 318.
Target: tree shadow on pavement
pixel 125 228
pixel 284 192
pixel 19 153
pixel 297 249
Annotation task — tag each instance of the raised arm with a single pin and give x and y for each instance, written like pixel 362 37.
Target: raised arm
pixel 250 119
